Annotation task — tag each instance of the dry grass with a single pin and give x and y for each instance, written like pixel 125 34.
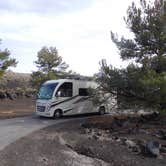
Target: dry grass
pixel 15 108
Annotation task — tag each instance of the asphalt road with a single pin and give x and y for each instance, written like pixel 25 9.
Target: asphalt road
pixel 13 129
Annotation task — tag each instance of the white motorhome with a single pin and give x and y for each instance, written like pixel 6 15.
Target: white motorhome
pixel 66 97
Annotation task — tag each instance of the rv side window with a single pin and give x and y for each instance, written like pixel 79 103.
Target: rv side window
pixel 83 92
pixel 65 90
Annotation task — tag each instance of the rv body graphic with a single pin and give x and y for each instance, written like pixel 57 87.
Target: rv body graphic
pixel 66 97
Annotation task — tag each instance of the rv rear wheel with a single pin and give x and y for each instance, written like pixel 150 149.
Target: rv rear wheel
pixel 102 110
pixel 57 114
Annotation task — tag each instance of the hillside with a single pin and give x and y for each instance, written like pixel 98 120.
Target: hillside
pixel 12 80
pixel 16 85
pixel 16 95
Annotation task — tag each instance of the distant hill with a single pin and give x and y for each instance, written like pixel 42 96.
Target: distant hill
pixel 15 85
pixel 12 79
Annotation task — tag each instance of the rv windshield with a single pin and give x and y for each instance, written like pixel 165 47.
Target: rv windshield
pixel 46 91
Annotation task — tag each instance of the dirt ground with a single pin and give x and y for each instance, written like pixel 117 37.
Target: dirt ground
pixel 95 141
pixel 17 107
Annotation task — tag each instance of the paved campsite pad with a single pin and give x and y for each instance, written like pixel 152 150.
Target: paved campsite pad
pixel 91 142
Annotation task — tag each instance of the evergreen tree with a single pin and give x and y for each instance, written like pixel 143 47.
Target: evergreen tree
pixel 144 81
pixel 6 61
pixel 50 66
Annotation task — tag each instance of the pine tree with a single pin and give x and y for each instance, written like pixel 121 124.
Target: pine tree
pixel 50 66
pixel 6 61
pixel 143 82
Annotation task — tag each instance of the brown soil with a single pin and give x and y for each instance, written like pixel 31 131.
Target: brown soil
pixel 17 107
pixel 111 133
pixel 101 138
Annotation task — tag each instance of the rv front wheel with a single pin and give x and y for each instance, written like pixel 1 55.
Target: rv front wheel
pixel 102 110
pixel 57 114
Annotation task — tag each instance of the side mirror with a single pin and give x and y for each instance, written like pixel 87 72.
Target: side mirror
pixel 58 94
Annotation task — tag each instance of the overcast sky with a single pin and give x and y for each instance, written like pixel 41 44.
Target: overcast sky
pixel 79 29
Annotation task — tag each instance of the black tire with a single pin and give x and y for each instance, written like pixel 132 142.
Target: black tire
pixel 57 114
pixel 102 110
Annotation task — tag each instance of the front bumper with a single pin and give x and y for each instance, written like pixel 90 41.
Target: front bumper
pixel 45 114
pixel 42 111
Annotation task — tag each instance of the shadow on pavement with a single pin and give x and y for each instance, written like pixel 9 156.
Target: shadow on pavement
pixel 71 116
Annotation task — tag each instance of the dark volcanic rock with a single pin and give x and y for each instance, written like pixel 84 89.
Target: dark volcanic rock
pixel 153 148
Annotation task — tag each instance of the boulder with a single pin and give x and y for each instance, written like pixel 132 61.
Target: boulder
pixel 153 148
pixel 161 134
pixel 132 146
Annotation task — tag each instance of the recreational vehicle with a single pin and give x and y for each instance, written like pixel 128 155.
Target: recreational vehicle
pixel 66 97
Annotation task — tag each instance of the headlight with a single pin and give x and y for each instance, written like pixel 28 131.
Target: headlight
pixel 48 107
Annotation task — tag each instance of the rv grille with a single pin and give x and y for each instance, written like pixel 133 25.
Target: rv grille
pixel 41 108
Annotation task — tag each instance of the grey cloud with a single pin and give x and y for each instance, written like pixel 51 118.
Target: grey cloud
pixel 44 6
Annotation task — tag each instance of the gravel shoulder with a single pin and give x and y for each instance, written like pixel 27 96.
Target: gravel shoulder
pixel 92 141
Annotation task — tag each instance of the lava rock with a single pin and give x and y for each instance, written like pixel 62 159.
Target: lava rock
pixel 161 134
pixel 130 144
pixel 163 149
pixel 153 148
pixel 133 147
